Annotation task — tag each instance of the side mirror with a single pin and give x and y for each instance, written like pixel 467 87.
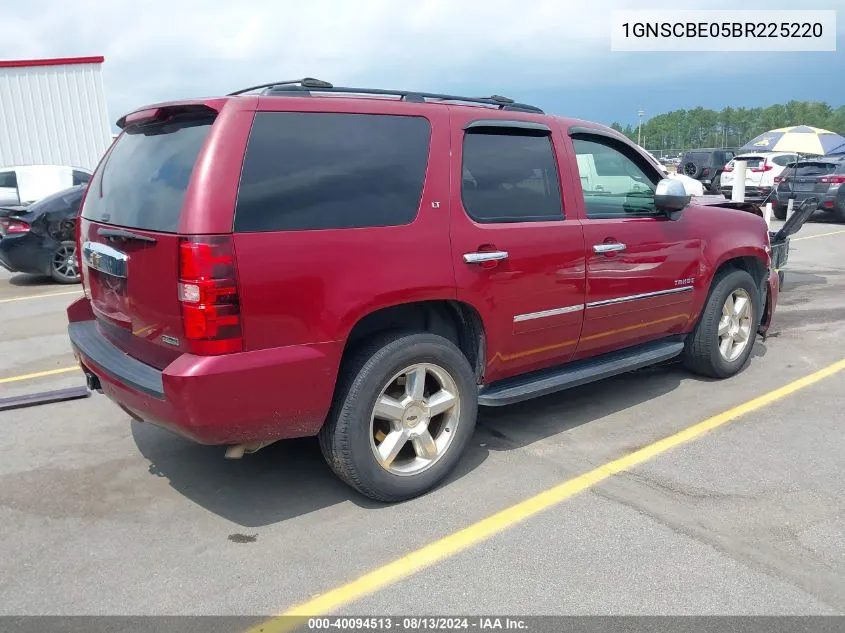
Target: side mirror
pixel 671 197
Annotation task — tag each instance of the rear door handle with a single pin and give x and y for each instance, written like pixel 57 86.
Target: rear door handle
pixel 610 247
pixel 485 256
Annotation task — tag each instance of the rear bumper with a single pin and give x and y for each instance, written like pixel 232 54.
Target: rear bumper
pixel 253 396
pixel 25 253
pixel 827 202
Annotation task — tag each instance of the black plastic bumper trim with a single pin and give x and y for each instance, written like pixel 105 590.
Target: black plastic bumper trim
pixel 95 347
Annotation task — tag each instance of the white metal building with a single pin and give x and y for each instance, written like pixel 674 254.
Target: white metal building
pixel 53 112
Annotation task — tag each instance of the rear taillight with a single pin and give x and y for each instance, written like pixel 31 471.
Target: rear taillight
pixel 764 167
pixel 11 227
pixel 705 171
pixel 832 180
pixel 208 292
pixel 780 179
pixel 728 169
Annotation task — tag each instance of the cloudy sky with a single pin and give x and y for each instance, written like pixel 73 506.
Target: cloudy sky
pixel 553 53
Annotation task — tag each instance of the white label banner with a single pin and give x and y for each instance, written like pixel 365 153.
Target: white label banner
pixel 757 30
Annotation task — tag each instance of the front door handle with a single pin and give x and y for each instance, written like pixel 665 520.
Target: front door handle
pixel 609 247
pixel 485 256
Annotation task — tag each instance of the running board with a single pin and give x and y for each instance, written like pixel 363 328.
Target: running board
pixel 546 381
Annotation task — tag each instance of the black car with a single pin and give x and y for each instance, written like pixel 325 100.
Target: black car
pixel 706 165
pixel 822 178
pixel 40 239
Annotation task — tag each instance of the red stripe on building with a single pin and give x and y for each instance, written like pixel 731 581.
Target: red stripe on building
pixel 56 61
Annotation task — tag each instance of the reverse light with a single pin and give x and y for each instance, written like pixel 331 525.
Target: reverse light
pixel 208 294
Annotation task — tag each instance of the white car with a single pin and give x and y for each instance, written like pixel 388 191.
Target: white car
pixel 23 185
pixel 761 168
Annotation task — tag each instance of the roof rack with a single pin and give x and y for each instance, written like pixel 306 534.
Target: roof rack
pixel 304 87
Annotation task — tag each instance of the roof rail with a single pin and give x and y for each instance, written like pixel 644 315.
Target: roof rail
pixel 304 87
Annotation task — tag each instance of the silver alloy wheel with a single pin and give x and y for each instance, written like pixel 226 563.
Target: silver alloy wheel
pixel 64 262
pixel 735 326
pixel 414 419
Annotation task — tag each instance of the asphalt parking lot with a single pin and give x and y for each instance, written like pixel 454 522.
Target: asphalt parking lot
pixel 102 515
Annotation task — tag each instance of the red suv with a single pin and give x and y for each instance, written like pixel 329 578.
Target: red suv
pixel 369 266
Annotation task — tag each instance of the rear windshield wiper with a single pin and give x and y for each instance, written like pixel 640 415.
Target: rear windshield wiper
pixel 126 235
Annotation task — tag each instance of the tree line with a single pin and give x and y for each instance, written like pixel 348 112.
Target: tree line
pixel 730 127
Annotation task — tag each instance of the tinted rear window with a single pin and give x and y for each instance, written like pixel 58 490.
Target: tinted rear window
pixel 329 171
pixel 8 179
pixel 814 168
pixel 142 184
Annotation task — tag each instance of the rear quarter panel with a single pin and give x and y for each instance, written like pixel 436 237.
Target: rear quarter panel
pixel 312 286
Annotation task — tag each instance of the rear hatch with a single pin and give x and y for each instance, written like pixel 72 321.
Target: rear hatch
pixel 809 179
pixel 129 240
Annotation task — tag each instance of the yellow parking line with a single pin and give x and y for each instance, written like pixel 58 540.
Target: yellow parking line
pixel 39 374
pixel 477 532
pixel 809 237
pixel 41 296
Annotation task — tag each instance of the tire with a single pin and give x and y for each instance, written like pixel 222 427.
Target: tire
pixel 702 354
pixel 353 432
pixel 63 264
pixel 779 212
pixel 691 169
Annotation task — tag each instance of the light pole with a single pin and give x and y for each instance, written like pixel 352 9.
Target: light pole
pixel 640 114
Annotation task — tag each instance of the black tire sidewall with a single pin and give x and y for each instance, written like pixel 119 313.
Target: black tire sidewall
pixel 710 325
pixel 364 390
pixel 54 274
pixel 779 212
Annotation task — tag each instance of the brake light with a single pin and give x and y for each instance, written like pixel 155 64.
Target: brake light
pixel 832 180
pixel 208 293
pixel 11 227
pixel 766 167
pixel 728 169
pixel 780 179
pixel 705 171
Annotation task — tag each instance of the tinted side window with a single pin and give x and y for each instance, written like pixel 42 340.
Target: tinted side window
pixel 330 171
pixel 783 161
pixel 613 182
pixel 80 177
pixel 510 176
pixel 8 179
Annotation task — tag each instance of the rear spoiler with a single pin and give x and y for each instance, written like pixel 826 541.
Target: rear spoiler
pixel 11 210
pixel 163 112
